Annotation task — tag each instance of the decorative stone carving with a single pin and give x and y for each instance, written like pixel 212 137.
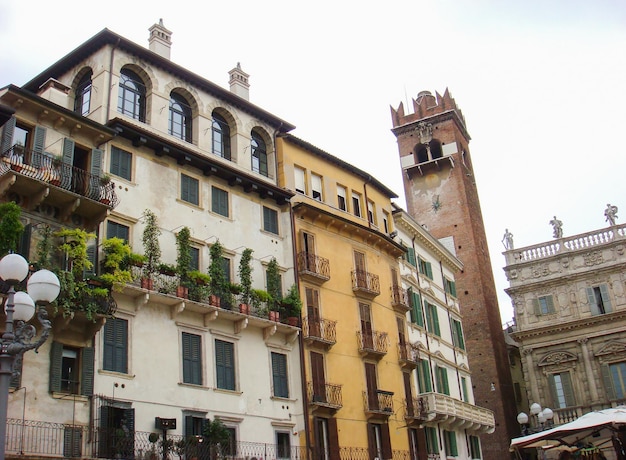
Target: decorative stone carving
pixel 592 258
pixel 565 262
pixel 425 131
pixel 557 358
pixel 620 249
pixel 540 270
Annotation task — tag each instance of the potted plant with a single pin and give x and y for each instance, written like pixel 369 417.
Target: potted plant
pixel 167 269
pixel 219 286
pixel 153 438
pixel 216 434
pixel 151 249
pixel 11 227
pixel 292 306
pixel 116 255
pixel 183 261
pixel 260 299
pixel 245 279
pixel 44 247
pixel 274 289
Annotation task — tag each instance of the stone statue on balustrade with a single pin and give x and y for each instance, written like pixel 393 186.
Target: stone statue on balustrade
pixel 557 228
pixel 507 239
pixel 610 214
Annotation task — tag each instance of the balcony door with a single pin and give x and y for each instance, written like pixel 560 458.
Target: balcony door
pixel 318 377
pixel 366 326
pixel 308 244
pixel 313 312
pixel 372 386
pixel 360 270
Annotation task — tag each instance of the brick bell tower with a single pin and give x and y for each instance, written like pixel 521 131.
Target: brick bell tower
pixel 441 194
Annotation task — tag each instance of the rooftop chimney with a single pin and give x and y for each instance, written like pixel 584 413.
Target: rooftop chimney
pixel 239 82
pixel 160 39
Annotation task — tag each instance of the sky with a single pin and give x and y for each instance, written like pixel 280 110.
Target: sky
pixel 541 84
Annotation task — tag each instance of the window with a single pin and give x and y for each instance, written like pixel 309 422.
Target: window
pixel 221 136
pixel 544 305
pixel 131 98
pixel 464 389
pixel 115 345
pixel 341 198
pixel 475 447
pixel 386 228
pixel 194 258
pixel 432 441
pixel 378 440
pixel 449 438
pixel 120 163
pixel 441 380
pixel 425 268
pixel 450 287
pixel 259 154
pixel 117 230
pixel 614 376
pixel 599 301
pixel 180 117
pixel 423 377
pixel 410 256
pixel 72 442
pixel 279 375
pixel 298 177
pixel 356 204
pixel 432 318
pixel 189 189
pixel 270 220
pixel 71 369
pixel 82 98
pixel 561 390
pixel 219 201
pixel 283 444
pixel 371 215
pixel 194 424
pixel 316 187
pixel 230 450
pixel 457 334
pixel 192 359
pixel 225 365
pixel 416 308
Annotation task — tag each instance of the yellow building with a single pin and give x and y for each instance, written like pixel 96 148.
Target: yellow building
pixel 347 269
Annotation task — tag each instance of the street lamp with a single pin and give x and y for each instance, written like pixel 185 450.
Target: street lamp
pixel 43 287
pixel 544 419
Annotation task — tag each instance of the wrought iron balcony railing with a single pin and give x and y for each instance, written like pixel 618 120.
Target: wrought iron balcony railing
pixel 313 267
pixel 365 283
pixel 320 330
pixel 400 299
pixel 416 409
pixel 324 394
pixel 373 343
pixel 409 354
pixel 378 402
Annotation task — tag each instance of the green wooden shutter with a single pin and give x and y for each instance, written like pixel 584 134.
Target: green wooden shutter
pixel 429 270
pixel 593 304
pixel 451 448
pixel 72 441
pixel 435 319
pixel 416 308
pixel 68 151
pixel 56 359
pixel 410 255
pixel 7 135
pixel 608 382
pixel 191 359
pixel 87 371
pixel 464 389
pixel 606 300
pixel 39 141
pixel 279 375
pixel 568 390
pixel 426 379
pixel 92 254
pixel 550 304
pixel 224 365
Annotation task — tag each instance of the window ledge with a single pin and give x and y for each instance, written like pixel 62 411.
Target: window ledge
pixel 121 375
pixel 228 392
pixel 193 385
pixel 191 205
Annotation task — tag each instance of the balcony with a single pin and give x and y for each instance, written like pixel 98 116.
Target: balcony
pixel 378 404
pixel 313 268
pixel 319 332
pixel 409 355
pixel 58 188
pixel 324 396
pixel 415 410
pixel 373 344
pixel 457 414
pixel 365 284
pixel 400 299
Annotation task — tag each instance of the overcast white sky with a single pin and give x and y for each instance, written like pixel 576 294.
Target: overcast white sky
pixel 542 85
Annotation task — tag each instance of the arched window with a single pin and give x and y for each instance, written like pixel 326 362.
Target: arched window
pixel 180 117
pixel 435 149
pixel 422 153
pixel 83 95
pixel 131 99
pixel 259 154
pixel 221 136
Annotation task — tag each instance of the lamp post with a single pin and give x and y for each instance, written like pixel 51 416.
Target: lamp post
pixel 43 287
pixel 543 416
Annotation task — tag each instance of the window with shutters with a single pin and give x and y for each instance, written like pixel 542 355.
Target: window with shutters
pixel 23 144
pixel 121 163
pixel 599 300
pixel 379 442
pixel 117 230
pixel 131 98
pixel 192 358
pixel 316 187
pixel 221 136
pixel 194 423
pixel 259 154
pixel 386 220
pixel 189 189
pixel 425 268
pixel 410 255
pixel 615 380
pixel 416 308
pixel 432 440
pixel 464 389
pixel 219 201
pixel 457 334
pixel 450 287
pixel 76 157
pixel 116 431
pixel 279 375
pixel 71 369
pixel 341 198
pixel 180 117
pixel 82 95
pixel 544 305
pixel 432 318
pixel 371 212
pixel 194 258
pixel 475 448
pixel 561 390
pixel 115 345
pixel 230 449
pixel 441 380
pixel 326 438
pixel 356 204
pixel 449 438
pixel 225 365
pixel 270 220
pixel 299 180
pixel 72 441
pixel 423 376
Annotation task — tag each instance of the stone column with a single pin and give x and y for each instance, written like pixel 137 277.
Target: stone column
pixel 593 391
pixel 532 379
